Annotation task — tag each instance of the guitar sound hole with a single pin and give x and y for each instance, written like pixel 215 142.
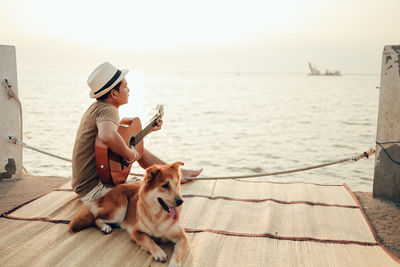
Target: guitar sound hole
pixel 132 141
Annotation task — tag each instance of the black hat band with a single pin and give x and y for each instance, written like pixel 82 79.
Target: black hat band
pixel 110 82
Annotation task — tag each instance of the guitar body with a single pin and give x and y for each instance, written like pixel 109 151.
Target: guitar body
pixel 110 166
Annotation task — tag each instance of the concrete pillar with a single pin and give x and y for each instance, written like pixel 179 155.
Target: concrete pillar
pixel 10 154
pixel 387 158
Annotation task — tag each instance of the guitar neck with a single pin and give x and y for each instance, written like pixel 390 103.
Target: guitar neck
pixel 139 137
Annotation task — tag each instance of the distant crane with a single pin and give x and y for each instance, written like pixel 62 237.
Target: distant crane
pixel 313 71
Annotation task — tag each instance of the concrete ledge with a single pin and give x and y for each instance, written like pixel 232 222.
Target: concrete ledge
pixel 11 155
pixel 387 169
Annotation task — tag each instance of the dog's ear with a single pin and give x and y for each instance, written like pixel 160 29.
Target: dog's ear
pixel 176 165
pixel 152 172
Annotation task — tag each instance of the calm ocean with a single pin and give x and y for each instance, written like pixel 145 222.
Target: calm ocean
pixel 226 123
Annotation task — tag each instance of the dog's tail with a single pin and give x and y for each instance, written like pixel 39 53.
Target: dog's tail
pixel 82 218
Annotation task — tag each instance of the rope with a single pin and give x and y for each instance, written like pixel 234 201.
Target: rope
pixel 20 142
pixel 387 153
pixel 366 154
pixel 11 94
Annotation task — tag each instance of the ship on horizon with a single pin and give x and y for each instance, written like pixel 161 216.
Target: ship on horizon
pixel 315 72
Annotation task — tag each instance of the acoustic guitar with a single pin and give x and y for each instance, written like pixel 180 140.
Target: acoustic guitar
pixel 111 167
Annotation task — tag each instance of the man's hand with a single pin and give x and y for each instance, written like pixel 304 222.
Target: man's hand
pixel 135 155
pixel 158 125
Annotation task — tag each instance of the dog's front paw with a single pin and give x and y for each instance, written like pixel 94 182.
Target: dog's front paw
pixel 160 255
pixel 106 229
pixel 173 263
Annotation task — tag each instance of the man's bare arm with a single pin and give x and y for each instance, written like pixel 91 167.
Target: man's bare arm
pixel 109 135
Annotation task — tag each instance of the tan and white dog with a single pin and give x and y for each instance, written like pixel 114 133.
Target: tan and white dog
pixel 150 209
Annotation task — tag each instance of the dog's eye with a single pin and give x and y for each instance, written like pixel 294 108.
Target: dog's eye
pixel 166 186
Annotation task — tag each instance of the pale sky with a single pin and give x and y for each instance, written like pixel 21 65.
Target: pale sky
pixel 206 35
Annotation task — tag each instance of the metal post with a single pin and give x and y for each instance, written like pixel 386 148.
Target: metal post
pixel 387 158
pixel 10 154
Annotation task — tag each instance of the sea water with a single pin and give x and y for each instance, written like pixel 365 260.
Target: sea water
pixel 226 123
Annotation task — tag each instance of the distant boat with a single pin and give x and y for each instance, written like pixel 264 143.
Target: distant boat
pixel 315 72
pixel 238 72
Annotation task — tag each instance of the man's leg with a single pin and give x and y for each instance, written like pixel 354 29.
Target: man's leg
pixel 96 193
pixel 148 159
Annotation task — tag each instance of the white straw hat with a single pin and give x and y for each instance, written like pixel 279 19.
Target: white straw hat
pixel 104 78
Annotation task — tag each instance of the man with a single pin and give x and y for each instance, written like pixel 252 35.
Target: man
pixel 110 89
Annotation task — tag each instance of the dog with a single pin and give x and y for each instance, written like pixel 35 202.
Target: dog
pixel 149 209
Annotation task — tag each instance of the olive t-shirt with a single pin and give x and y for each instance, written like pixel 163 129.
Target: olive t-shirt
pixel 84 173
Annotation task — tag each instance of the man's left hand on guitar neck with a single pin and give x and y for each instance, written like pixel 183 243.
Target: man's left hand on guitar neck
pixel 158 126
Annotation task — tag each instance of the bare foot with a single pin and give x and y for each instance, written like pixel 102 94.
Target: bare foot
pixel 189 173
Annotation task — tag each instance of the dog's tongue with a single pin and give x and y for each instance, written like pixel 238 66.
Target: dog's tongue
pixel 173 212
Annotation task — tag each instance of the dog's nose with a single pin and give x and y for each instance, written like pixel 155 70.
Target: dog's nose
pixel 179 201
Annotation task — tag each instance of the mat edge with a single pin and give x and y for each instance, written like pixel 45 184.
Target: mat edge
pixel 391 254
